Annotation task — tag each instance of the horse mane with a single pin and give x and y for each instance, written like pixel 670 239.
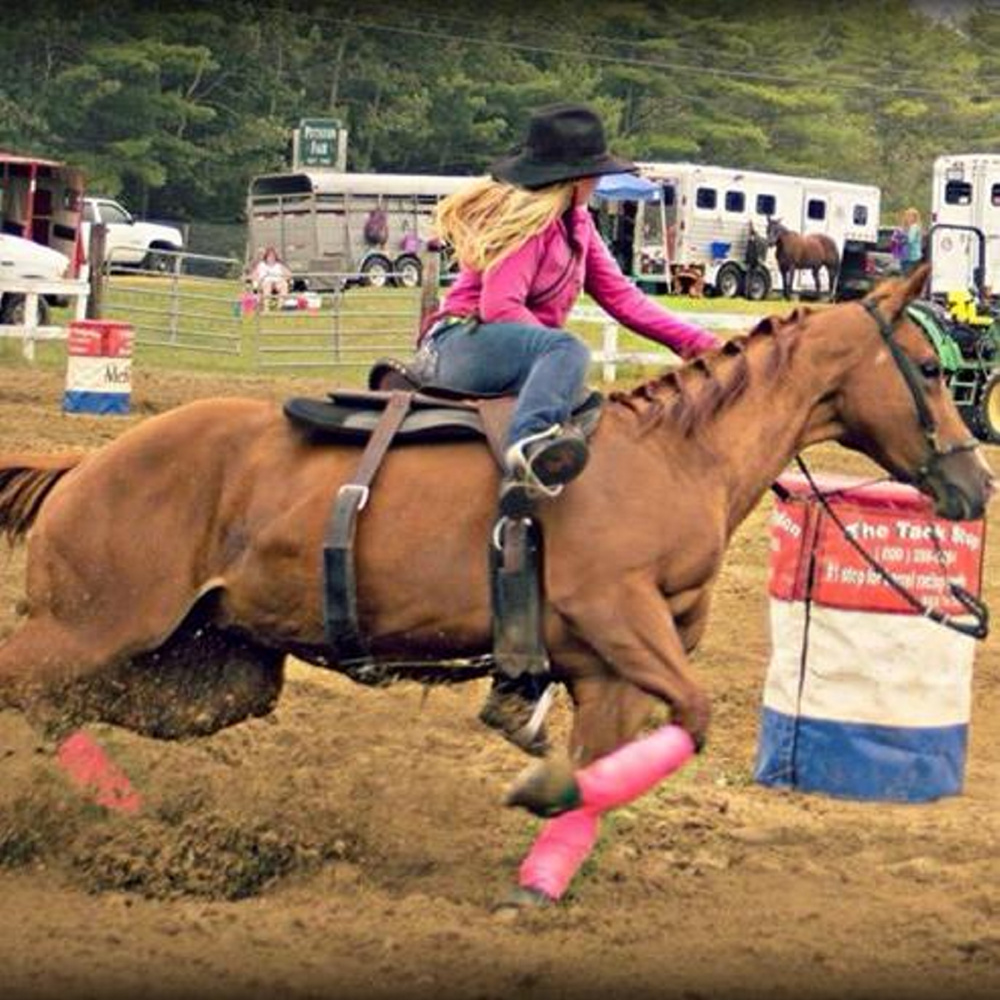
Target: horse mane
pixel 695 390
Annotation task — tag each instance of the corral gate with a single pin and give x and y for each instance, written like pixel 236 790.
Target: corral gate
pixel 201 305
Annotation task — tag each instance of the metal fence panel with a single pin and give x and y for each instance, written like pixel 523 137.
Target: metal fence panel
pixel 184 302
pixel 199 303
pixel 350 325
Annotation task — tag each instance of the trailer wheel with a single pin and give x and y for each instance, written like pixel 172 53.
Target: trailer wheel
pixel 376 270
pixel 989 410
pixel 758 284
pixel 408 271
pixel 729 281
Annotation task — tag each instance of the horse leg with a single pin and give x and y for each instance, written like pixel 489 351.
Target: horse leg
pixel 610 712
pixel 193 681
pixel 636 636
pixel 41 660
pixel 815 273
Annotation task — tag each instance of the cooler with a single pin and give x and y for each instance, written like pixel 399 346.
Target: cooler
pixel 98 367
pixel 864 697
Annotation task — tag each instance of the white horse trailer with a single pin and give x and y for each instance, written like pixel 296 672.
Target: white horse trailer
pixel 710 212
pixel 965 199
pixel 315 219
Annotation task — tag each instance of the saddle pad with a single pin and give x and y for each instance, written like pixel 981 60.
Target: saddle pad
pixel 350 417
pixel 330 422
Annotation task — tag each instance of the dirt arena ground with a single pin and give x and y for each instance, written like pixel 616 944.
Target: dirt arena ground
pixel 352 844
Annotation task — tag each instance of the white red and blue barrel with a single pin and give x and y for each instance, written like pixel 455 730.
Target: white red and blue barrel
pixel 865 697
pixel 98 367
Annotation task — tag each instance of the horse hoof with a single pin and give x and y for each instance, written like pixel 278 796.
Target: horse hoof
pixel 546 789
pixel 520 899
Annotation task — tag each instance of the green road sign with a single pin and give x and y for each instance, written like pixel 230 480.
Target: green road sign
pixel 319 143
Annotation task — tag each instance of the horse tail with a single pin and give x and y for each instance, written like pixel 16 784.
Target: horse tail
pixel 25 482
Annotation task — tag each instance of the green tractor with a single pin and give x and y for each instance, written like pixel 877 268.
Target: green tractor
pixel 965 329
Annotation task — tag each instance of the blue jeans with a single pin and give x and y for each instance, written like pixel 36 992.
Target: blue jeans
pixel 546 368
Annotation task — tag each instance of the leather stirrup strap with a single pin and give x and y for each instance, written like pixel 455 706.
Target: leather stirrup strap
pixel 516 592
pixel 495 414
pixel 340 611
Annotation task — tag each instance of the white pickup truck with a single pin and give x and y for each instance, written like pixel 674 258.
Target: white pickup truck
pixel 129 242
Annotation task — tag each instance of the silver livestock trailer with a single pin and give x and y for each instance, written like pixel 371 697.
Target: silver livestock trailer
pixel 319 221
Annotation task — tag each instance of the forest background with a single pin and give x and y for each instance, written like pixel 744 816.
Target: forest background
pixel 175 106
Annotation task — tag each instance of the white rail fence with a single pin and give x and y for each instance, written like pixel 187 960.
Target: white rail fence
pixel 28 294
pixel 610 356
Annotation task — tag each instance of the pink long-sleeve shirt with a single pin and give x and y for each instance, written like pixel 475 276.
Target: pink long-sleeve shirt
pixel 514 291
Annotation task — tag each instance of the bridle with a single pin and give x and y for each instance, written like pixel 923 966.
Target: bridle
pixel 979 627
pixel 924 416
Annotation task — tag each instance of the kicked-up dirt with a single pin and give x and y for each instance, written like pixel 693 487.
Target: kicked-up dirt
pixel 353 843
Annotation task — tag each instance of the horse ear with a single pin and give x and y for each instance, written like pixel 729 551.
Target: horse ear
pixel 905 290
pixel 914 284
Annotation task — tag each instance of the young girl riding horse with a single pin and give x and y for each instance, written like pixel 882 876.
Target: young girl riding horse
pixel 527 246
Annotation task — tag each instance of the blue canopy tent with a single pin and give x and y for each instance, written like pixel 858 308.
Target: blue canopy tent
pixel 632 187
pixel 627 187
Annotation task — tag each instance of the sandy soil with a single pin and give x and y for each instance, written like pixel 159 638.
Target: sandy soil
pixel 352 844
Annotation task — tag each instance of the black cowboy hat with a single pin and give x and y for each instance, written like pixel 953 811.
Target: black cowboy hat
pixel 565 142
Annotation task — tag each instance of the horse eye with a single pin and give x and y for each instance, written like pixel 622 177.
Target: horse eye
pixel 930 370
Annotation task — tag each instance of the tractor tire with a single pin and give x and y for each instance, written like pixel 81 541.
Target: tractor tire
pixel 729 281
pixel 988 411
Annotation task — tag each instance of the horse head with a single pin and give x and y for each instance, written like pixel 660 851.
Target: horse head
pixel 775 228
pixel 894 406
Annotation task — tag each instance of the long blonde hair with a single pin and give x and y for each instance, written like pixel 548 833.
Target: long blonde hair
pixel 489 219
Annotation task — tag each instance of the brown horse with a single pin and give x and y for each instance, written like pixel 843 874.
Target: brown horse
pixel 797 252
pixel 170 571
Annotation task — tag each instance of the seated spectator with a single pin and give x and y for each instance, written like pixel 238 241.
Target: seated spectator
pixel 270 276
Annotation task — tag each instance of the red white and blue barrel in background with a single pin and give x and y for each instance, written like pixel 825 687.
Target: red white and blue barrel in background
pixel 98 367
pixel 865 697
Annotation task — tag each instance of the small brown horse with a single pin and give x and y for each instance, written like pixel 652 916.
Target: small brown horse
pixel 798 252
pixel 170 571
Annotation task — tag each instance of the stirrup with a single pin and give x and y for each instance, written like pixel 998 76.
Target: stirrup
pixel 546 461
pixel 530 736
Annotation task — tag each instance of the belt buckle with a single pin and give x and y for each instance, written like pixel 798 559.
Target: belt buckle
pixel 354 489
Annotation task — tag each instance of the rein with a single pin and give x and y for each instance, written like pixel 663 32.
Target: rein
pixel 979 627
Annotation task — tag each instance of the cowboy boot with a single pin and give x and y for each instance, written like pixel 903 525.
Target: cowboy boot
pixel 539 466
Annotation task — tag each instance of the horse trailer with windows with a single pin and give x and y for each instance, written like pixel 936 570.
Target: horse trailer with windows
pixel 710 232
pixel 320 223
pixel 965 217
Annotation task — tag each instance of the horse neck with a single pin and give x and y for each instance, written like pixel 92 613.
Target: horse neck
pixel 779 413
